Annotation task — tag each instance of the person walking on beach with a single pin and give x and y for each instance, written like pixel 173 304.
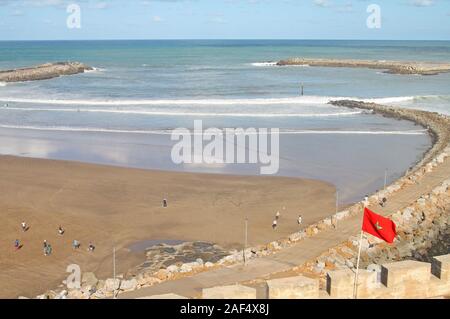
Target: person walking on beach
pixel 299 220
pixel 24 226
pixel 91 247
pixel 274 224
pixel 76 244
pixel 366 200
pixel 164 203
pixel 17 244
pixel 61 230
pixel 48 250
pixel 277 215
pixel 45 245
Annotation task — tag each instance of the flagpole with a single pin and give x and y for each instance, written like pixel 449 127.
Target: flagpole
pixel 355 288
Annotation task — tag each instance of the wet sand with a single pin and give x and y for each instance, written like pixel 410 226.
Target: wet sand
pixel 113 206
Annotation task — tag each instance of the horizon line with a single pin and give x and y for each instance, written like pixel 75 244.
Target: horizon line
pixel 217 39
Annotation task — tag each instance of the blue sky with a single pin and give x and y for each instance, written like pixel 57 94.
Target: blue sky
pixel 224 19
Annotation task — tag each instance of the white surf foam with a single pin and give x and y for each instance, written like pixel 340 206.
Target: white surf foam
pixel 159 113
pixel 2 84
pixel 311 100
pixel 169 132
pixel 94 70
pixel 264 64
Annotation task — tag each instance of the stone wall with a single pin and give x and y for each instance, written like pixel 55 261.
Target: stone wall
pixel 404 279
pixel 401 280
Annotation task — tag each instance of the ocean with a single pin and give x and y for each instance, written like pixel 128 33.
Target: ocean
pixel 123 112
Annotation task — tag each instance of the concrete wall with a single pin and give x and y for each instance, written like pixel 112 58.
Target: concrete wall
pixel 404 279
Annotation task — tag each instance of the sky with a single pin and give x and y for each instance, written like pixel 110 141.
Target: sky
pixel 223 19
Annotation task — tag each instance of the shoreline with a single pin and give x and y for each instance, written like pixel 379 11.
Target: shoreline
pixel 391 67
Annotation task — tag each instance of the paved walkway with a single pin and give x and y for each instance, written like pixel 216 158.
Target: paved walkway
pixel 297 254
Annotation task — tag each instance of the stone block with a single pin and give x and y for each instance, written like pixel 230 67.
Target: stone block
pixel 407 272
pixel 229 292
pixel 440 267
pixel 293 288
pixel 341 283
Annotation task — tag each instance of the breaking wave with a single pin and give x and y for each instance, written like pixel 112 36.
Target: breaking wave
pixel 169 132
pixel 160 113
pixel 267 101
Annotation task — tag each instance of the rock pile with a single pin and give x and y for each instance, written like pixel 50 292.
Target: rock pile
pixel 394 67
pixel 43 71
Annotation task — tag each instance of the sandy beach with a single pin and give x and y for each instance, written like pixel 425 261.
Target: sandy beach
pixel 111 206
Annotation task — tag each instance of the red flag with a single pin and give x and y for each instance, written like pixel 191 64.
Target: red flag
pixel 379 226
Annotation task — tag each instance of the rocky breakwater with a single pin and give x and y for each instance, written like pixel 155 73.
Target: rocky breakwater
pixel 394 67
pixel 43 71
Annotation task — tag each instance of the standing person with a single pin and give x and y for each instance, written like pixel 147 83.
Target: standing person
pixel 366 200
pixel 61 230
pixel 164 203
pixel 274 224
pixel 24 226
pixel 48 250
pixel 300 219
pixel 277 215
pixel 91 247
pixel 76 244
pixel 45 245
pixel 17 244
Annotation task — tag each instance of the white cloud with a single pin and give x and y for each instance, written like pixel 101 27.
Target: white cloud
pixel 322 3
pixel 423 3
pixel 157 19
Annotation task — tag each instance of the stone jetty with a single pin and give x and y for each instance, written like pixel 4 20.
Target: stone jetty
pixel 43 72
pixel 393 67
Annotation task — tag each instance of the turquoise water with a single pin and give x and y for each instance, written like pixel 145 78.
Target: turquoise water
pixel 122 112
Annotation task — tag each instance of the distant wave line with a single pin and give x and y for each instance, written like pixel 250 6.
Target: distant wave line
pixel 169 132
pixel 210 114
pixel 256 101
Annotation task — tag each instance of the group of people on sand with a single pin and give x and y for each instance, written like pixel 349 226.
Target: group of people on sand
pixel 277 218
pixel 47 247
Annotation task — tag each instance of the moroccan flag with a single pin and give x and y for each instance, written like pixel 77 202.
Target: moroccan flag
pixel 379 226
